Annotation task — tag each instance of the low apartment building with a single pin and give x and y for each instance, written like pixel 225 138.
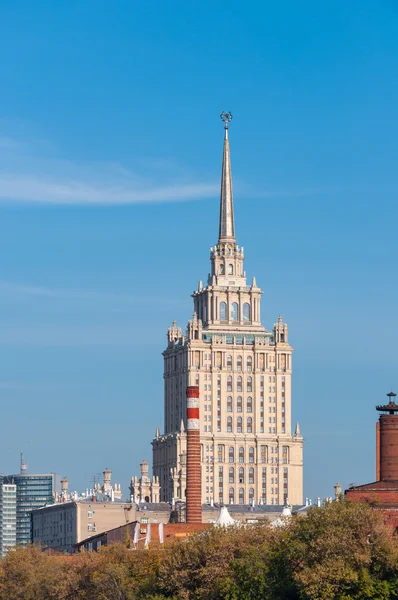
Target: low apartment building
pixel 64 524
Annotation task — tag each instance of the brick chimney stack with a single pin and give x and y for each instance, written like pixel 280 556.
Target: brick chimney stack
pixel 388 440
pixel 193 492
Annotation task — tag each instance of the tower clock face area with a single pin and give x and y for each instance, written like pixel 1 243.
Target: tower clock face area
pixel 249 452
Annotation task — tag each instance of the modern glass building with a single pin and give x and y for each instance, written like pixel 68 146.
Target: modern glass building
pixel 32 491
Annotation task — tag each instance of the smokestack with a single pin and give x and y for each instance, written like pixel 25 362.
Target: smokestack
pixel 388 440
pixel 194 490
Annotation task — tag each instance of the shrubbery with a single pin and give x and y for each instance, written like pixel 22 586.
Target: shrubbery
pixel 342 551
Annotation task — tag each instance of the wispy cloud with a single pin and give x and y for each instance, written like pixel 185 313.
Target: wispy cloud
pixel 86 296
pixel 32 173
pixel 43 190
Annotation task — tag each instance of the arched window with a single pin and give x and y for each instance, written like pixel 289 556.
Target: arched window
pixel 229 383
pixel 241 496
pixel 229 362
pixel 239 404
pixel 231 475
pixel 249 386
pixel 229 424
pixel 246 312
pixel 251 475
pixel 231 496
pixel 250 364
pixel 239 384
pixel 223 311
pixel 251 454
pixel 222 269
pixel 251 495
pixel 249 404
pixel 230 269
pixel 249 425
pixel 241 475
pixel 231 454
pixel 234 312
pixel 239 363
pixel 239 425
pixel 229 404
pixel 241 455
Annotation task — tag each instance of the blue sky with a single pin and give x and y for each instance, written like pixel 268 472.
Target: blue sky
pixel 110 155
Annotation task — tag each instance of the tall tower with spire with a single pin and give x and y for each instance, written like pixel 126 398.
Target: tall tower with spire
pixel 249 453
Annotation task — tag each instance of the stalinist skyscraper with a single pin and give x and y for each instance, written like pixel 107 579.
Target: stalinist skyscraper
pixel 249 453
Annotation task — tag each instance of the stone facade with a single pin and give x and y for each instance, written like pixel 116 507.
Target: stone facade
pixel 248 451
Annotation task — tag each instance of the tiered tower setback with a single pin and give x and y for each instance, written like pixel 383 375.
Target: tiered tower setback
pixel 243 371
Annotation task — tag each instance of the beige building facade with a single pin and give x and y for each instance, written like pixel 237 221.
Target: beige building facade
pixel 249 453
pixel 67 523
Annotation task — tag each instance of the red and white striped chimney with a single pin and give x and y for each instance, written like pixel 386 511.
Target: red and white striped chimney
pixel 194 487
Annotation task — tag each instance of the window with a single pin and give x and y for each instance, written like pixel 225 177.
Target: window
pixel 246 312
pixel 241 455
pixel 241 496
pixel 231 454
pixel 234 311
pixel 239 363
pixel 231 495
pixel 230 269
pixel 222 269
pixel 223 311
pixel 251 454
pixel 239 404
pixel 231 478
pixel 249 386
pixel 249 425
pixel 241 475
pixel 229 404
pixel 251 495
pixel 90 527
pixel 89 514
pixel 229 424
pixel 263 454
pixel 229 383
pixel 239 384
pixel 229 362
pixel 249 404
pixel 251 475
pixel 249 363
pixel 239 425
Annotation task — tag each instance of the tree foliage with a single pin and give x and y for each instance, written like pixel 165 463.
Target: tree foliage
pixel 342 551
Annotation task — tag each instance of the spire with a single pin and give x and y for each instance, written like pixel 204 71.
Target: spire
pixel 227 225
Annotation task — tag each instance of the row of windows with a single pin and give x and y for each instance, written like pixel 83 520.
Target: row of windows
pixel 230 269
pixel 239 404
pixel 234 312
pixel 241 475
pixel 239 363
pixel 239 425
pixel 239 384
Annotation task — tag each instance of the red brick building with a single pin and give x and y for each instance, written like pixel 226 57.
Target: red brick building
pixel 383 493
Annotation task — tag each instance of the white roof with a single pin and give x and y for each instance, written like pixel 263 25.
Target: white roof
pixel 224 518
pixel 284 517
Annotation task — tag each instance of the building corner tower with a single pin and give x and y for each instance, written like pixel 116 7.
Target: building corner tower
pixel 249 453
